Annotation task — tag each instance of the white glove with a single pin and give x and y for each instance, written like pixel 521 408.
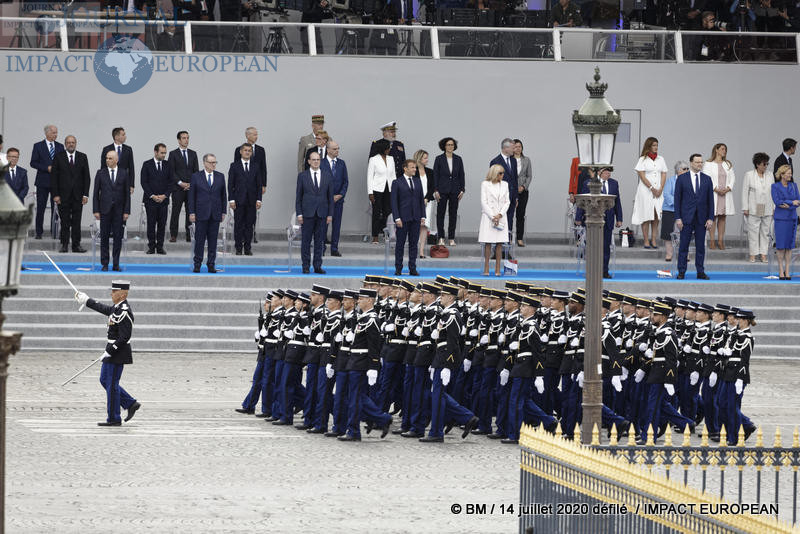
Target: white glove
pixel 320 338
pixel 687 348
pixel 263 332
pixel 625 373
pixel 381 362
pixel 501 338
pixel 388 327
pixel 670 389
pixel 289 334
pixel 618 341
pixel 504 377
pixel 694 377
pixel 648 353
pixel 514 345
pixel 539 383
pixel 329 370
pixel 350 337
pixel 276 333
pixel 629 344
pixel 81 298
pixel 418 331
pixel 338 338
pixel 372 377
pixel 642 347
pixel 706 350
pixel 430 369
pixel 405 332
pixel 473 332
pixel 106 354
pixel 257 335
pixel 638 375
pixel 575 342
pixel 599 369
pixel 445 376
pixel 617 383
pixel 562 339
pixel 543 338
pixel 467 365
pixel 739 385
pixel 463 330
pixel 306 331
pixel 484 339
pixel 435 335
pixel 579 379
pixel 728 352
pixel 712 379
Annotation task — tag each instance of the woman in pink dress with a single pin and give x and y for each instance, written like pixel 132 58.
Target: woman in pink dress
pixel 722 177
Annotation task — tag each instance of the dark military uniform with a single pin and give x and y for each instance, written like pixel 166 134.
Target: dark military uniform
pixel 314 354
pixel 734 379
pixel 339 360
pixel 489 379
pixel 296 331
pixel 273 352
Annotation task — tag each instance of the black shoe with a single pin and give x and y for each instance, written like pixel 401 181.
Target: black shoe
pixel 238 252
pixel 306 270
pixel 550 429
pixel 348 437
pixel 211 269
pixel 398 272
pixel 327 241
pixel 316 431
pixel 245 410
pixel 297 409
pixel 431 439
pixel 188 238
pixel 396 409
pixel 281 422
pixel 369 426
pixel 333 434
pixel 681 276
pixel 399 431
pixel 509 441
pixel 385 428
pixel 116 268
pixel 39 237
pixel 412 434
pixel 161 251
pixel 196 269
pixel 319 270
pixel 702 276
pixel 480 432
pixel 714 437
pixel 106 423
pixel 336 253
pixel 472 423
pixel 151 251
pixel 173 239
pixel 104 268
pixel 248 252
pixel 63 248
pixel 269 419
pixel 607 275
pixel 303 427
pixel 132 411
pixel 79 249
pixel 413 272
pixel 748 432
pixel 495 436
pixel 262 415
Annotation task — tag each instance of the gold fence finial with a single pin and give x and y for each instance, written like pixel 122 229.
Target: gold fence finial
pixel 650 442
pixel 759 437
pixel 687 436
pixel 668 436
pixel 577 433
pixel 595 435
pixel 558 430
pixel 631 436
pixel 723 436
pixel 796 438
pixel 740 437
pixel 778 444
pixel 612 438
pixel 704 437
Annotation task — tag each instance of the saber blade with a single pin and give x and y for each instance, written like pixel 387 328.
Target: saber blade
pixel 82 371
pixel 46 255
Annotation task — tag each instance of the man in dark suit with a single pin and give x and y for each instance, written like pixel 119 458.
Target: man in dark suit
pixel 314 11
pixel 613 215
pixel 408 210
pixel 509 163
pixel 42 160
pixel 314 209
pixel 183 164
pixel 259 156
pixel 694 214
pixel 16 177
pixel 111 204
pixel 244 196
pixel 207 207
pixel 321 141
pixel 124 155
pixel 397 150
pixel 170 40
pixel 789 148
pixel 70 184
pixel 338 169
pixel 157 184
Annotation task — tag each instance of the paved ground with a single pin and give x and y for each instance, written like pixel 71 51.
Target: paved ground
pixel 188 463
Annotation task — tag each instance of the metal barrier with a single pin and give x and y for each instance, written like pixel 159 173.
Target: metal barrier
pixel 569 487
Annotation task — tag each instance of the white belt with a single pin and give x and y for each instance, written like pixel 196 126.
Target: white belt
pixel 271 340
pixel 734 359
pixel 603 356
pixel 659 359
pixel 412 342
pixel 441 344
pixel 397 341
pixel 492 347
pixel 297 343
pixel 421 343
pixel 521 354
pixel 326 345
pixel 359 351
pixel 112 341
pixel 344 349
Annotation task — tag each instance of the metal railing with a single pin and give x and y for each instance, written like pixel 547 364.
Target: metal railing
pixel 71 34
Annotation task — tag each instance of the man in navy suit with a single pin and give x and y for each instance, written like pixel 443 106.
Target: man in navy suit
pixel 338 169
pixel 157 184
pixel 111 204
pixel 613 215
pixel 183 164
pixel 244 196
pixel 70 186
pixel 259 156
pixel 42 160
pixel 16 177
pixel 694 214
pixel 124 155
pixel 408 210
pixel 207 207
pixel 509 164
pixel 314 209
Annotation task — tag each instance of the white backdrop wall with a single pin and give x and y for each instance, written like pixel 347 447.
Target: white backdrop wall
pixel 688 107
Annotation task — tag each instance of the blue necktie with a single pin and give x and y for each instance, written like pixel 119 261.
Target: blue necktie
pixel 119 154
pixel 113 180
pixel 52 150
pixel 12 175
pixel 246 169
pixel 605 192
pixel 209 179
pixel 333 166
pixel 696 184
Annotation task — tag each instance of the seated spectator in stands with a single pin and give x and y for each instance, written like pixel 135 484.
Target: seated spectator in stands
pixel 566 13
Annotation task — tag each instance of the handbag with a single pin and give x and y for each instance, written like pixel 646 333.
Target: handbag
pixel 439 251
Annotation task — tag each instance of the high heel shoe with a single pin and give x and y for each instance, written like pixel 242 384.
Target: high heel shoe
pixel 712 245
pixel 721 245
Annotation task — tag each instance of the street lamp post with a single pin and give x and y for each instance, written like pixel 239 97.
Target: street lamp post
pixel 595 124
pixel 14 222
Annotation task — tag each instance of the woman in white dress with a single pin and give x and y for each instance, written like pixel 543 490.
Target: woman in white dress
pixel 652 171
pixel 721 172
pixel 493 230
pixel 425 174
pixel 757 206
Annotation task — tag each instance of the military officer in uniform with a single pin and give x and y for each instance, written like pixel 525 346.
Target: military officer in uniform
pixel 338 363
pixel 735 376
pixel 309 141
pixel 397 150
pixel 118 350
pixel 331 340
pixel 259 374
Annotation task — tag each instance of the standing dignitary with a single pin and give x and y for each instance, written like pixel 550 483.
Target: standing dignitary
pixel 448 185
pixel 70 189
pixel 694 214
pixel 118 351
pixel 338 169
pixel 321 147
pixel 207 206
pixel 314 209
pixel 244 196
pixel 309 141
pixel 396 148
pixel 17 177
pixel 259 156
pixel 183 162
pixel 524 178
pixel 408 210
pixel 111 205
pixel 42 160
pixel 124 155
pixel 789 146
pixel 157 182
pixel 380 175
pixel 613 215
pixel 506 159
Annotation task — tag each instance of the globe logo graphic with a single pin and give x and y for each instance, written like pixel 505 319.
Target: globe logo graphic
pixel 123 64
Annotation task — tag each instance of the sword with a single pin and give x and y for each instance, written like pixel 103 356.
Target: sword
pixel 75 289
pixel 82 370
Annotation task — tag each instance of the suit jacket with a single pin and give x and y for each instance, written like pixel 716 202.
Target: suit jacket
pixel 445 181
pixel 260 157
pixel 781 160
pixel 340 179
pixel 691 207
pixel 108 195
pixel 207 203
pixel 407 206
pixel 125 162
pixel 166 42
pixel 40 160
pixel 784 195
pixel 306 142
pixel 310 151
pixel 244 187
pixel 510 176
pixel 614 213
pixel 156 183
pixel 313 201
pixel 428 185
pixel 20 183
pixel 70 182
pixel 181 172
pixel 397 152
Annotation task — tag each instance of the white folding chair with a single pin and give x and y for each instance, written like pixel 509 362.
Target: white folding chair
pixel 293 238
pixel 389 237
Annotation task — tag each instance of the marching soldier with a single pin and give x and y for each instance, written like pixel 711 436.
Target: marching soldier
pixel 313 355
pixel 282 317
pixel 423 359
pixel 508 344
pixel 473 361
pixel 713 368
pixel 338 362
pixel 491 357
pixel 394 349
pixel 554 353
pixel 118 351
pixel 296 331
pixel 736 376
pixel 329 341
pixel 259 383
pixel 571 369
pixel 273 353
pixel 697 351
pixel 413 317
pixel 462 388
